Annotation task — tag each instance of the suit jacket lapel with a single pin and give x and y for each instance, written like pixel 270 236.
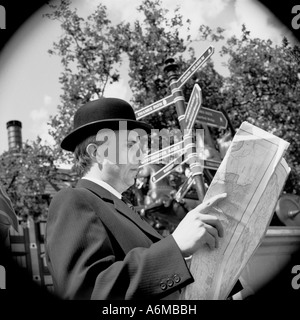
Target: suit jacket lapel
pixel 119 205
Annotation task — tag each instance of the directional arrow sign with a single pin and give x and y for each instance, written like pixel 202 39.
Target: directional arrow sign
pixel 163 153
pixel 154 107
pixel 163 172
pixel 211 164
pixel 194 67
pixel 160 104
pixel 212 118
pixel 193 107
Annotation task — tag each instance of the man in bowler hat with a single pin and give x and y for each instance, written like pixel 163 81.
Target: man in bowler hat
pixel 97 246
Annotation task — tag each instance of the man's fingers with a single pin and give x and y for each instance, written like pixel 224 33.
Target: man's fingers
pixel 214 233
pixel 213 200
pixel 206 205
pixel 214 222
pixel 210 240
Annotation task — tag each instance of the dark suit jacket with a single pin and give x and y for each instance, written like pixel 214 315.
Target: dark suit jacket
pixel 98 248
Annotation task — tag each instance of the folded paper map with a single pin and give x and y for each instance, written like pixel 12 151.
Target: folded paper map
pixel 253 174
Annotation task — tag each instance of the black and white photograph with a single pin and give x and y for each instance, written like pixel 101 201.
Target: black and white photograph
pixel 150 155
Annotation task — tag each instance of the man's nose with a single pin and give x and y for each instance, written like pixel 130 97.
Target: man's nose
pixel 142 154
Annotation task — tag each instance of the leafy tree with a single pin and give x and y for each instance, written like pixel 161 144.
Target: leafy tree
pixel 90 52
pixel 25 172
pixel 263 88
pixel 90 61
pixel 148 43
pixel 89 56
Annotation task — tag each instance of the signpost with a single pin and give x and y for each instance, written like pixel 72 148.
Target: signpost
pixel 161 104
pixel 212 118
pixel 190 146
pixel 190 117
pixel 186 119
pixel 194 67
pixel 162 154
pixel 193 107
pixel 154 107
pixel 212 164
pixel 163 172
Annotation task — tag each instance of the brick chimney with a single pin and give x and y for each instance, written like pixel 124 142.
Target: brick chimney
pixel 14 131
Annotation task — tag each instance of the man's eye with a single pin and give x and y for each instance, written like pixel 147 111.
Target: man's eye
pixel 131 144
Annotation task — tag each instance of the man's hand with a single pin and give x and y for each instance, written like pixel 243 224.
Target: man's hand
pixel 198 228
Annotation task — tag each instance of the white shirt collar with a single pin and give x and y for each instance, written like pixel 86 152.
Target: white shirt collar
pixel 105 186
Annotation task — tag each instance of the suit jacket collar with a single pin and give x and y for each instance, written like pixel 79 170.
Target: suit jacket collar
pixel 119 205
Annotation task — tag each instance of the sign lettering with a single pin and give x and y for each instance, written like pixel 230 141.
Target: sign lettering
pixel 154 107
pixel 162 154
pixel 193 107
pixel 212 118
pixel 163 172
pixel 194 67
pixel 160 104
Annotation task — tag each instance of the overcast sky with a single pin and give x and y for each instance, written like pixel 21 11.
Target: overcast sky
pixel 29 87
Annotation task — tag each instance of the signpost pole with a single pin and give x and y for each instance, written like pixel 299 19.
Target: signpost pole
pixel 231 128
pixel 179 101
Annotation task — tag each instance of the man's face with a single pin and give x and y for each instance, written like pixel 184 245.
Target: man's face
pixel 120 157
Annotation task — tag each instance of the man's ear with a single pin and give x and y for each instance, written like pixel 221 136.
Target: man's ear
pixel 91 149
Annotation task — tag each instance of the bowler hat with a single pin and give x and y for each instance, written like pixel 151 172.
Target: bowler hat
pixel 100 114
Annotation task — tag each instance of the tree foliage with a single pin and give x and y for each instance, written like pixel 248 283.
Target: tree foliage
pixel 263 88
pixel 24 173
pixel 148 43
pixel 89 57
pixel 90 61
